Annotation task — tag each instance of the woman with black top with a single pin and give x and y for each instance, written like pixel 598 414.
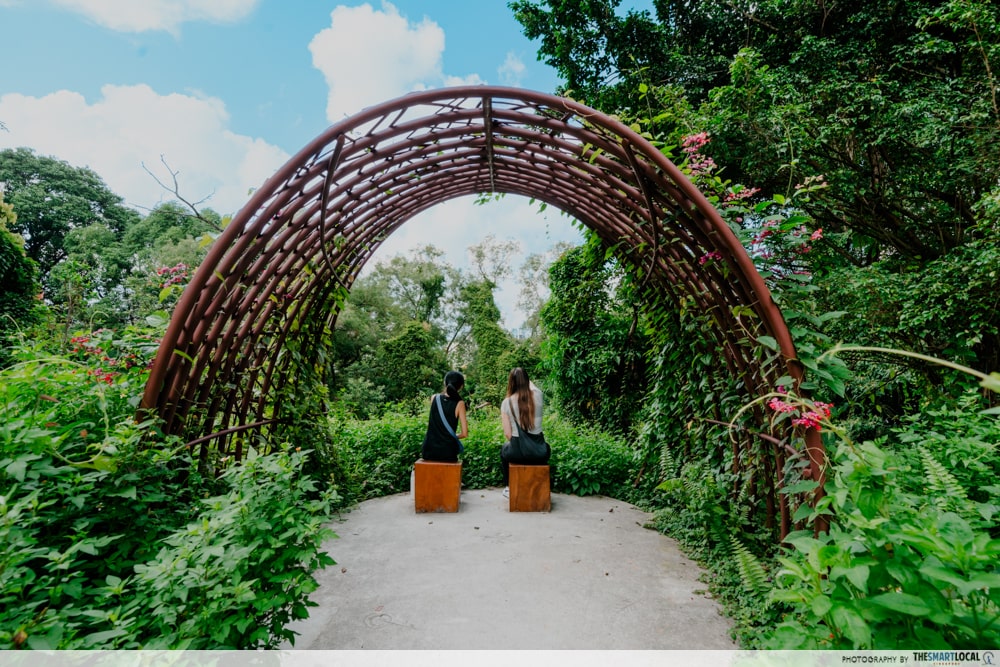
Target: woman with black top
pixel 440 444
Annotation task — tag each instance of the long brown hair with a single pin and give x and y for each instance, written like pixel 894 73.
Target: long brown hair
pixel 519 388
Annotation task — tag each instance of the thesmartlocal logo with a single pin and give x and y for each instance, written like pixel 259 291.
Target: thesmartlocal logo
pixel 954 657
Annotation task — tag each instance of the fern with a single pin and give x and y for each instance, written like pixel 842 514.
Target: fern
pixel 668 464
pixel 752 573
pixel 948 493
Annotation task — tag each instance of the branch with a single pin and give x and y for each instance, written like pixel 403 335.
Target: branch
pixel 175 191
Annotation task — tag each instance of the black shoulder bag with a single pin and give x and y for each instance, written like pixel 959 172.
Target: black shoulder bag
pixel 528 446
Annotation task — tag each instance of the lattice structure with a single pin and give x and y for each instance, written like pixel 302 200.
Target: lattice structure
pixel 278 274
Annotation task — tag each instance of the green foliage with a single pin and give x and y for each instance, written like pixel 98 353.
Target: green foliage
pixel 238 575
pixel 891 106
pixel 495 347
pixel 897 570
pixel 52 198
pixel 587 461
pixel 941 308
pixel 376 455
pixel 18 286
pixel 594 354
pixel 409 364
pixel 80 570
pixel 108 535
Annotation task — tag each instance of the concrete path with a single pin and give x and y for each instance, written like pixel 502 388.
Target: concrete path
pixel 585 576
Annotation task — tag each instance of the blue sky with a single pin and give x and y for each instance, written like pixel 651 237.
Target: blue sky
pixel 227 90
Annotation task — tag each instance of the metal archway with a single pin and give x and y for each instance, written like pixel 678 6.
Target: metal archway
pixel 277 275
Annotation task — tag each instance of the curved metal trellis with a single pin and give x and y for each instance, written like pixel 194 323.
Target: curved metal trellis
pixel 277 276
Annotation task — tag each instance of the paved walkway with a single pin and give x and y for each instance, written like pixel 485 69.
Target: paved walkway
pixel 585 576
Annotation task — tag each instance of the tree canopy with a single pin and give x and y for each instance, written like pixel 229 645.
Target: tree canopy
pixel 53 198
pixel 863 95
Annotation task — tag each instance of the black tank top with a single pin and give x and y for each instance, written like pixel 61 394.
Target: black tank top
pixel 439 445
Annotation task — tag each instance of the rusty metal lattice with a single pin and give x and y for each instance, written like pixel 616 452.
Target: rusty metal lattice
pixel 277 275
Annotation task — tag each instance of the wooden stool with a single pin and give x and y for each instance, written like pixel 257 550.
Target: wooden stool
pixel 529 488
pixel 436 486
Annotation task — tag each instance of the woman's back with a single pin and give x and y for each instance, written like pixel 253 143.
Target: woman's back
pixel 440 444
pixel 512 408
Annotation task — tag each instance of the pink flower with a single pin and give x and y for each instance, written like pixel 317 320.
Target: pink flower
pixel 824 407
pixel 817 235
pixel 693 142
pixel 779 405
pixel 809 420
pixel 742 194
pixel 714 255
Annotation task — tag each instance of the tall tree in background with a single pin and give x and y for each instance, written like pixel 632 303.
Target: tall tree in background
pixel 488 368
pixel 594 352
pixel 52 198
pixel 18 288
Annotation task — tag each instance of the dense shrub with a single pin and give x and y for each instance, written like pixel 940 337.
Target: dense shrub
pixel 908 561
pixel 109 538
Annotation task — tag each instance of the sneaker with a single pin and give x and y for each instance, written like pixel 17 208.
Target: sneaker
pixel 506 492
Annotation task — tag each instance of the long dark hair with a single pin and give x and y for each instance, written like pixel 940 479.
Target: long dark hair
pixel 453 383
pixel 519 388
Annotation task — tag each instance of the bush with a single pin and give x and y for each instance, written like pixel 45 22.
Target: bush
pixel 105 539
pixel 897 569
pixel 588 462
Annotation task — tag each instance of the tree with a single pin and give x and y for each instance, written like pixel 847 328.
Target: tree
pixel 409 364
pixel 594 352
pixel 488 369
pixel 864 94
pixel 162 251
pixel 881 118
pixel 491 259
pixel 18 287
pixel 533 278
pixel 52 198
pixel 412 295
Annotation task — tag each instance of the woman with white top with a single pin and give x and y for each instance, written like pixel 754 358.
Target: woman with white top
pixel 520 411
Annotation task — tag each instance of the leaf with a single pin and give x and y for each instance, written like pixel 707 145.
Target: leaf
pixel 851 624
pixel 100 639
pixel 903 603
pixel 768 342
pixel 803 486
pixel 821 605
pixel 992 382
pixel 104 463
pixel 19 466
pixel 158 319
pixel 857 575
pixel 128 492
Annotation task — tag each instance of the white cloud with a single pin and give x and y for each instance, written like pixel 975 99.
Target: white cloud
pixel 142 15
pixel 133 125
pixel 459 223
pixel 369 56
pixel 511 71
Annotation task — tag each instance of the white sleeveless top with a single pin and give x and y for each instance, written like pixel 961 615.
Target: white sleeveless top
pixel 507 408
